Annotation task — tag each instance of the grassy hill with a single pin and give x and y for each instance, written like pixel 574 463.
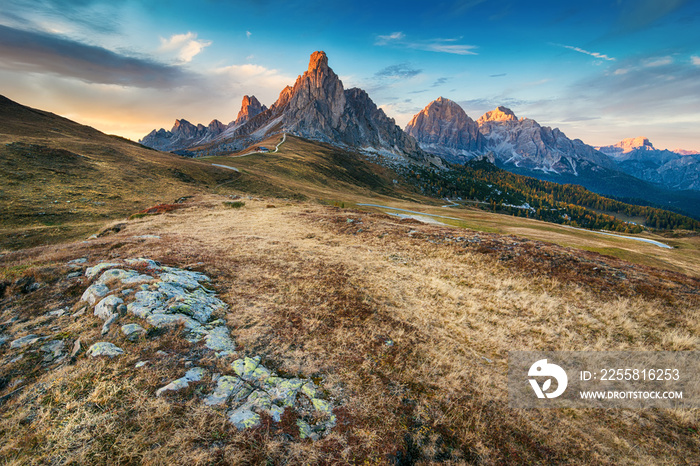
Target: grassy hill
pixel 403 325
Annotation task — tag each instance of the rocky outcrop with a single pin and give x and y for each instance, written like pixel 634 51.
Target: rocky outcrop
pixel 499 114
pixel 443 128
pixel 638 157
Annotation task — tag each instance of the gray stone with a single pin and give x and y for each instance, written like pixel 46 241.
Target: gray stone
pixel 80 260
pixel 94 293
pixel 171 320
pixel 193 375
pixel 80 311
pixel 113 275
pixel 243 417
pixel 250 370
pixel 145 303
pixel 226 387
pixel 74 275
pixel 92 272
pixel 54 348
pixel 141 262
pixel 133 331
pixel 107 307
pixel 25 341
pixel 108 323
pixel 76 348
pixel 104 348
pixel 140 364
pixel 218 339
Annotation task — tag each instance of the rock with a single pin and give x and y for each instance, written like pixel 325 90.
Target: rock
pixel 304 429
pixel 54 348
pixel 283 391
pixel 171 320
pixel 74 275
pixel 107 307
pixel 113 275
pixel 146 303
pixel 25 341
pixel 104 348
pixel 243 417
pixel 250 107
pixel 218 339
pixel 141 262
pixel 76 348
pixel 108 323
pixel 94 293
pixel 250 370
pixel 228 387
pixel 80 260
pixel 193 375
pixel 80 312
pixel 57 312
pixel 92 272
pixel 133 331
pixel 140 364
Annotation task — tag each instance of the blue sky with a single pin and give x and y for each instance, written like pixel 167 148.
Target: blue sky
pixel 599 70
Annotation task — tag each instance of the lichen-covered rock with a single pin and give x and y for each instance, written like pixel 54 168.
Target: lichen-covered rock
pixel 145 303
pixel 170 320
pixel 219 340
pixel 250 370
pixel 133 331
pixel 193 375
pixel 104 348
pixel 141 262
pixel 92 272
pixel 283 391
pixel 94 293
pixel 228 387
pixel 107 307
pixel 244 417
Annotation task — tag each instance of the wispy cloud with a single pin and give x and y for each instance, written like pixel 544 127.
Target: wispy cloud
pixel 185 45
pixel 695 60
pixel 592 54
pixel 38 52
pixel 497 75
pixel 440 81
pixel 248 34
pixel 449 45
pixel 659 61
pixel 399 71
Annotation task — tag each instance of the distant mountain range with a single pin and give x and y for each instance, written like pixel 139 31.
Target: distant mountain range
pixel 318 107
pixel 673 169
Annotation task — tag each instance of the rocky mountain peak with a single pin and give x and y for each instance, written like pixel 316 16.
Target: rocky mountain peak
pixel 318 62
pixel 499 114
pixel 443 128
pixel 250 107
pixel 627 146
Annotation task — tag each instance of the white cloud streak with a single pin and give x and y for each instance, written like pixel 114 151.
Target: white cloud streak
pixel 398 39
pixel 186 46
pixel 592 54
pixel 695 60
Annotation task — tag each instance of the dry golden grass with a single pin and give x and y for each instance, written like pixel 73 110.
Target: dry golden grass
pixel 406 328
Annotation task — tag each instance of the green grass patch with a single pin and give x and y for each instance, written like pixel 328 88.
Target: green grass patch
pixel 234 204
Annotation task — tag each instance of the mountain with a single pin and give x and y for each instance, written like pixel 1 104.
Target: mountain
pixel 316 107
pixel 443 128
pixel 525 144
pixel 184 134
pixel 638 157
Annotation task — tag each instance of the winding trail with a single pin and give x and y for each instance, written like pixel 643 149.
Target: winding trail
pixel 277 148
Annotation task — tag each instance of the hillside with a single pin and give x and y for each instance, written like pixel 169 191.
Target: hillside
pixel 306 305
pixel 62 180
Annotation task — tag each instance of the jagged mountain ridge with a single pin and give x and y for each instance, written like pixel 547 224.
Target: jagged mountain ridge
pixel 446 129
pixel 317 107
pixel 639 158
pixel 184 134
